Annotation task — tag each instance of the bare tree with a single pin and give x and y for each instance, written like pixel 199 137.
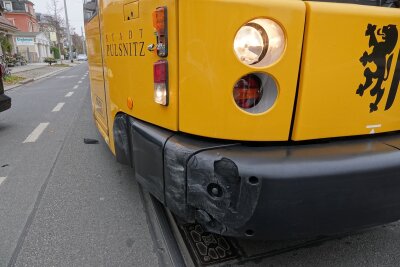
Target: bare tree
pixel 77 43
pixel 56 21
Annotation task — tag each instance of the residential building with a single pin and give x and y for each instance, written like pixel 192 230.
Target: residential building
pixel 22 14
pixel 29 41
pixel 7 31
pixel 46 25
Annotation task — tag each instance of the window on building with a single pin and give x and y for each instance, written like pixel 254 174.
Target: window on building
pixel 12 21
pixel 30 26
pixel 7 5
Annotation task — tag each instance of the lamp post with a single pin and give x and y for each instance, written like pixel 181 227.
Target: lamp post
pixel 83 42
pixel 68 33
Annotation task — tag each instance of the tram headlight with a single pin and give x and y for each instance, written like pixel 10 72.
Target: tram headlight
pixel 259 43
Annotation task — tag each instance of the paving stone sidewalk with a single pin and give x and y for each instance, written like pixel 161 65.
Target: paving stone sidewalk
pixel 30 66
pixel 35 74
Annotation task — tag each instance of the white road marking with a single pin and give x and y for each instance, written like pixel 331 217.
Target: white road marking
pixel 69 94
pixel 36 133
pixel 80 82
pixel 2 179
pixel 374 126
pixel 76 87
pixel 82 78
pixel 66 77
pixel 58 107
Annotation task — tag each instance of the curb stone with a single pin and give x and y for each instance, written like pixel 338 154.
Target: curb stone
pixel 26 81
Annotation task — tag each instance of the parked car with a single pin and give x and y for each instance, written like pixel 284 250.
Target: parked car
pixel 5 101
pixel 82 57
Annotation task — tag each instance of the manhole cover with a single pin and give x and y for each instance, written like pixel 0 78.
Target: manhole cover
pixel 208 248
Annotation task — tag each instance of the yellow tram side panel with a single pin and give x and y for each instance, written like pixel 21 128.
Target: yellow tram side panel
pixel 209 68
pixel 98 96
pixel 128 64
pixel 335 40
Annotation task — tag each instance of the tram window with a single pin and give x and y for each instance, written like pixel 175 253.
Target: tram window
pixel 90 9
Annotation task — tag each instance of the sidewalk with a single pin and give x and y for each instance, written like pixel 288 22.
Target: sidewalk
pixel 35 71
pixel 27 67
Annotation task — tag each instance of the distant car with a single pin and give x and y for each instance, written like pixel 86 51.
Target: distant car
pixel 5 101
pixel 82 57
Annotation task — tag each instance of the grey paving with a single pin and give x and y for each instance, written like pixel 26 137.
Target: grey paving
pixel 65 203
pixel 27 67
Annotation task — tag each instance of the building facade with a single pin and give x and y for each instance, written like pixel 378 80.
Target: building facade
pixel 29 41
pixel 34 46
pixel 7 32
pixel 21 14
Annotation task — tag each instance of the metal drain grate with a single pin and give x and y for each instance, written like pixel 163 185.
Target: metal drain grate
pixel 208 248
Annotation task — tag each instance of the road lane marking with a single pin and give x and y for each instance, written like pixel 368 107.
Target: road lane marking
pixel 69 94
pixel 76 87
pixel 2 179
pixel 80 82
pixel 66 77
pixel 36 133
pixel 82 78
pixel 374 126
pixel 58 107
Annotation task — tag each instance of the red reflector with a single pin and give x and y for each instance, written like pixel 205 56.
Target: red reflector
pixel 160 71
pixel 247 91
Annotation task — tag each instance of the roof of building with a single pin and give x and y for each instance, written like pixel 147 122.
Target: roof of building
pixel 28 34
pixel 5 24
pixel 19 5
pixel 43 18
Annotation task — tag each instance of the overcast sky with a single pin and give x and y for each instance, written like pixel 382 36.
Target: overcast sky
pixel 74 7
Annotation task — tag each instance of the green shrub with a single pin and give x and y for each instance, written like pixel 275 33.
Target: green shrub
pixel 50 60
pixel 56 52
pixel 6 46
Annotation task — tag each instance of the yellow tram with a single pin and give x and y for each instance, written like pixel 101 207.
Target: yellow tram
pixel 273 119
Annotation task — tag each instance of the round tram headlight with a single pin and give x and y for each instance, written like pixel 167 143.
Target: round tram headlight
pixel 259 43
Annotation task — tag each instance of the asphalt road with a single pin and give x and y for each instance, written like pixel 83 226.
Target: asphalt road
pixel 66 203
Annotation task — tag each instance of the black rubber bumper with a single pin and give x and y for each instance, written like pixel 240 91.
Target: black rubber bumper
pixel 5 102
pixel 269 192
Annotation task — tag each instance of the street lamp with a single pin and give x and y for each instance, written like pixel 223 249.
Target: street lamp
pixel 68 33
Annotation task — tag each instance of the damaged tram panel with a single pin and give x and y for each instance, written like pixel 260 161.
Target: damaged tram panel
pixel 225 119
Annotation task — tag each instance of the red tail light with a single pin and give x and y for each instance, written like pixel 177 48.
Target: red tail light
pixel 160 71
pixel 248 91
pixel 161 82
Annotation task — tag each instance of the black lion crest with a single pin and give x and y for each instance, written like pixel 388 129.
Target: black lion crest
pixel 382 57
